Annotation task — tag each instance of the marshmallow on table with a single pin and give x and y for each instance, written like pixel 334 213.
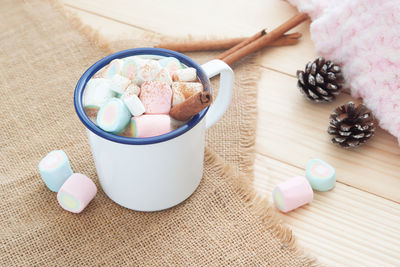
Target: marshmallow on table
pixel 114 67
pixel 119 83
pixel 321 175
pixel 147 71
pixel 187 88
pixel 76 193
pixel 156 97
pixel 292 194
pixel 150 125
pixel 113 116
pixel 185 75
pixel 163 76
pixel 97 91
pixel 172 64
pixel 55 169
pixel 134 104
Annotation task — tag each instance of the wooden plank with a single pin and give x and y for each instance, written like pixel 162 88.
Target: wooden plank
pixel 293 130
pixel 222 20
pixel 341 227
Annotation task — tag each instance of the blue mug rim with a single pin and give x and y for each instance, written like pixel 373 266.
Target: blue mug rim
pixel 80 86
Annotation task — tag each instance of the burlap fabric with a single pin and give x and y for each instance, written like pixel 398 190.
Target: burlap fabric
pixel 42 55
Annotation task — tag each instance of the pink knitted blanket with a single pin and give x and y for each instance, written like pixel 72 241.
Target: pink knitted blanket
pixel 363 36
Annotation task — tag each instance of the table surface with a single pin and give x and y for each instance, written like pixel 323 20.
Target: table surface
pixel 358 222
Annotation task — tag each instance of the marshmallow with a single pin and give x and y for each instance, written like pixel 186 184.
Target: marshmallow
pixel 292 194
pixel 163 76
pixel 187 88
pixel 91 112
pixel 132 89
pixel 172 64
pixel 55 169
pixel 134 104
pixel 97 91
pixel 76 193
pixel 119 83
pixel 114 67
pixel 185 75
pixel 147 71
pixel 321 175
pixel 177 96
pixel 129 69
pixel 156 97
pixel 113 116
pixel 151 125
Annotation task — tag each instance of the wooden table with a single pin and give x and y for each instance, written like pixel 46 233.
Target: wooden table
pixel 357 223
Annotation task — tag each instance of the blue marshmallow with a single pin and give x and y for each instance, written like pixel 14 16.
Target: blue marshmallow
pixel 113 116
pixel 55 169
pixel 321 175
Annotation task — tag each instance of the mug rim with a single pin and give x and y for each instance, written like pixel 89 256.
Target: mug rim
pixel 87 75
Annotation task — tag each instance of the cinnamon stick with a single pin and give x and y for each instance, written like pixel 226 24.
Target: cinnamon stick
pixel 222 44
pixel 265 39
pixel 242 44
pixel 191 106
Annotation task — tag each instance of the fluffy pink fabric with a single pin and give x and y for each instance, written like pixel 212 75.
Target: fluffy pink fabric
pixel 364 37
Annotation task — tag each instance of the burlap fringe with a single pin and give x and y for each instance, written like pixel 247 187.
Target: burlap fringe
pixel 261 208
pixel 258 205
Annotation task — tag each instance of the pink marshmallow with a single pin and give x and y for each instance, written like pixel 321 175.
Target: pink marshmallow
pixel 156 97
pixel 76 193
pixel 293 193
pixel 151 125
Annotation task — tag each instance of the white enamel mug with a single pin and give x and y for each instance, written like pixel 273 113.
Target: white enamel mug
pixel 155 173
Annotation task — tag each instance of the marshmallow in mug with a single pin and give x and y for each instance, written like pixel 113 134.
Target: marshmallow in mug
pixel 129 68
pixel 163 76
pixel 76 193
pixel 185 75
pixel 151 125
pixel 55 169
pixel 187 88
pixel 97 92
pixel 147 71
pixel 119 83
pixel 134 104
pixel 113 116
pixel 114 67
pixel 156 97
pixel 171 64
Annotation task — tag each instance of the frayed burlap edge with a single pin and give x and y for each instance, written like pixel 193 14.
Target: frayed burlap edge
pixel 243 184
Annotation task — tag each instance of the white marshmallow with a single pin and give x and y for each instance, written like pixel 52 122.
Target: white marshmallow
pixel 147 71
pixel 185 75
pixel 97 91
pixel 119 83
pixel 177 96
pixel 132 89
pixel 134 105
pixel 187 88
pixel 164 76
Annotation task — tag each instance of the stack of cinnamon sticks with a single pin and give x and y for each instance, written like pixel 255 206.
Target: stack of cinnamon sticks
pixel 241 47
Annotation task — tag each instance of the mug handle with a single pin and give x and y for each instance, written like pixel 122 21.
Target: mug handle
pixel 221 103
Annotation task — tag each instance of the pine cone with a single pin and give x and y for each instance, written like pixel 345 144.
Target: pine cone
pixel 351 126
pixel 321 80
